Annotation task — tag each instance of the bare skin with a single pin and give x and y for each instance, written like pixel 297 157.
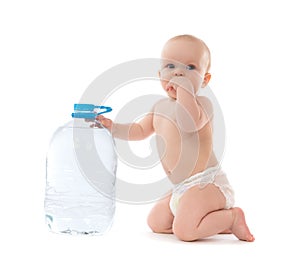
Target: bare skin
pixel 183 123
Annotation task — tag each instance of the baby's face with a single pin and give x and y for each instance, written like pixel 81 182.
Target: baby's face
pixel 183 61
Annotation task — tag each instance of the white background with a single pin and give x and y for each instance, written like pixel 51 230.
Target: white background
pixel 52 50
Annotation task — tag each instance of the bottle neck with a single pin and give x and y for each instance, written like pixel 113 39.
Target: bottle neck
pixel 87 123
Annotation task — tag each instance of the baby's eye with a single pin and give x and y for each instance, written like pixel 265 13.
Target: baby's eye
pixel 170 66
pixel 190 67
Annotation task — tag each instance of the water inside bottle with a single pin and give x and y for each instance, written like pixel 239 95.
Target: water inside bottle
pixel 80 187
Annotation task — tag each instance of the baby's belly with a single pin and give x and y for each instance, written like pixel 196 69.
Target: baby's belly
pixel 183 155
pixel 169 153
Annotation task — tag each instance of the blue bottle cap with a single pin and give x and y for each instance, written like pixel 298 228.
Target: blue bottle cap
pixel 89 111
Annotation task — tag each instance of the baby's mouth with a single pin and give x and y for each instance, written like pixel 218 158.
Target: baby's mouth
pixel 170 87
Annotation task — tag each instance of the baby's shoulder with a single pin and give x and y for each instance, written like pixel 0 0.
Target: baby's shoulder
pixel 163 103
pixel 165 107
pixel 205 104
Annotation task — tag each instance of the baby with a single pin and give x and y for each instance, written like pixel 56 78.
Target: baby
pixel 201 203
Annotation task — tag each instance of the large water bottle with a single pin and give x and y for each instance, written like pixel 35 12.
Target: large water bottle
pixel 81 172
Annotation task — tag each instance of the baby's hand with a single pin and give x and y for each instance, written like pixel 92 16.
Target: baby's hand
pixel 182 82
pixel 105 122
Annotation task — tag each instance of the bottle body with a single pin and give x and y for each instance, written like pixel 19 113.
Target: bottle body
pixel 80 181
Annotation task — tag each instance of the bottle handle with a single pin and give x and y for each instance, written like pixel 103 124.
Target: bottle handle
pixel 89 111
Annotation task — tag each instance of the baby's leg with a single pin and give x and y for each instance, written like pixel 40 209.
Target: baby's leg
pixel 200 214
pixel 160 219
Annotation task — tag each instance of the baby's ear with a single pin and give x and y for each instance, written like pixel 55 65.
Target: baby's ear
pixel 206 79
pixel 159 73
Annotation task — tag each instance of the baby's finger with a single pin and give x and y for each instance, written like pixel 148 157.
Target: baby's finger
pixel 100 117
pixel 96 125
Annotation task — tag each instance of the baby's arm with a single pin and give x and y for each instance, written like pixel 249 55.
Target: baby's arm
pixel 132 131
pixel 188 111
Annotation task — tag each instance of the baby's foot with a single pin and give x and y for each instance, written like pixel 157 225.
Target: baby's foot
pixel 239 227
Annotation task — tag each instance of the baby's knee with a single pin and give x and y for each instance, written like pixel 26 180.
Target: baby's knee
pixel 160 224
pixel 184 232
pixel 153 224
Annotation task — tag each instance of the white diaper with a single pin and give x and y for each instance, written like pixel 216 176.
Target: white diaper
pixel 212 175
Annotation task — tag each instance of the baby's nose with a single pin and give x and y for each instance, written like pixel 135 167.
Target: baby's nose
pixel 178 73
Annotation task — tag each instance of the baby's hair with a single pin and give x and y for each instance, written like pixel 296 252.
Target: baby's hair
pixel 193 38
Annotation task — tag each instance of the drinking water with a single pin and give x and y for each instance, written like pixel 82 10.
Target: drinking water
pixel 80 179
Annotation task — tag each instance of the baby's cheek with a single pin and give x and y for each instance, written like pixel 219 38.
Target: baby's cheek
pixel 165 75
pixel 164 83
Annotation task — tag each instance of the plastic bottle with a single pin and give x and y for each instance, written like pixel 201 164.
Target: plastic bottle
pixel 80 176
